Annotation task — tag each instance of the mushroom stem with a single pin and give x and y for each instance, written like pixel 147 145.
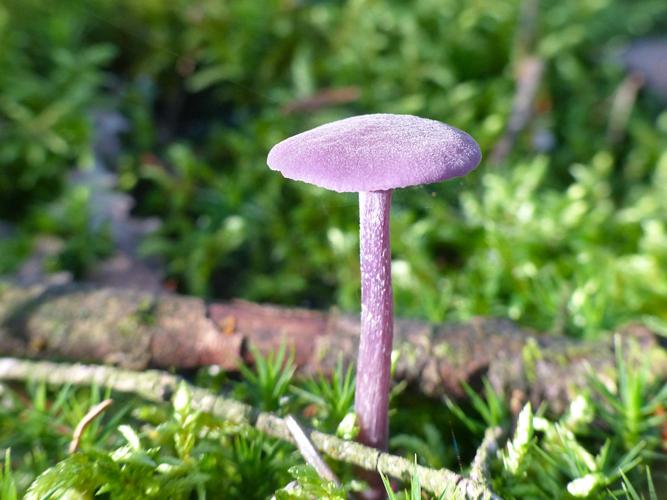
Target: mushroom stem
pixel 377 322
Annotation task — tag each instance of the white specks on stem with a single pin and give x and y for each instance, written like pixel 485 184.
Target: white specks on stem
pixel 374 362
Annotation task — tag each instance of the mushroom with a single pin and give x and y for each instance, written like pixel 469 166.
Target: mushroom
pixel 372 155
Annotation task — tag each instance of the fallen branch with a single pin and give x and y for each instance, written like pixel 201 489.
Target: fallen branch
pixel 138 330
pixel 158 387
pixel 479 470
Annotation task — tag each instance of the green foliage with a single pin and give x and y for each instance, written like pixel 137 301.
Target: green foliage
pixel 432 436
pixel 51 77
pixel 267 385
pixel 308 484
pixel 514 459
pixel 509 256
pixel 592 450
pixel 7 483
pixel 14 250
pixel 75 242
pixel 429 445
pixel 83 242
pixel 633 407
pixel 568 239
pixel 572 260
pixel 186 455
pixel 563 242
pixel 631 493
pixel 491 407
pixel 332 396
pixel 545 459
pixel 517 247
pixel 257 465
pixel 415 488
pixel 38 428
pixel 183 453
pixel 129 472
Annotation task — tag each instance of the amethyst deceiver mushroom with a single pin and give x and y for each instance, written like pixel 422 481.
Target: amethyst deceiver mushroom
pixel 372 155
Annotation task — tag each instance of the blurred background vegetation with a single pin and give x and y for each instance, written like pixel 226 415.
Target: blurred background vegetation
pixel 179 102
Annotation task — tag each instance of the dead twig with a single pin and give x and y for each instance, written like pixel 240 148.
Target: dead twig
pixel 87 419
pixel 322 99
pixel 308 451
pixel 621 107
pixel 529 70
pixel 158 387
pixel 529 75
pixel 479 470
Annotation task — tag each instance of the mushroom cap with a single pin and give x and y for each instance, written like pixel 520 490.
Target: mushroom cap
pixel 376 152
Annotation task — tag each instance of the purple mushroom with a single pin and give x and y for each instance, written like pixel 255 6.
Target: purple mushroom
pixel 372 155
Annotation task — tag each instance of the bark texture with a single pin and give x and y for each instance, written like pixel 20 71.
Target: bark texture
pixel 138 330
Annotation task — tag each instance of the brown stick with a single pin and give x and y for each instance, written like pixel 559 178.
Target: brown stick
pixel 308 451
pixel 529 69
pixel 138 330
pixel 529 76
pixel 159 386
pixel 479 470
pixel 323 99
pixel 87 419
pixel 621 107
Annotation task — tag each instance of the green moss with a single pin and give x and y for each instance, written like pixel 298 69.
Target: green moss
pixel 145 312
pixel 442 351
pixel 531 355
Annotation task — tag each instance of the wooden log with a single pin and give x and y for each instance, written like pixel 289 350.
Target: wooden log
pixel 137 330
